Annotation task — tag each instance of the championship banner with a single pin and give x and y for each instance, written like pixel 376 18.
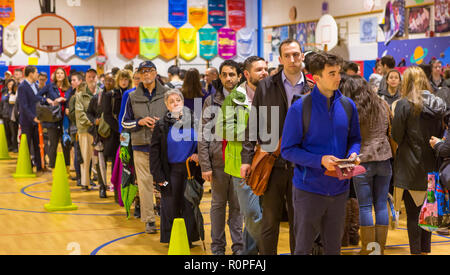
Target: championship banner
pixel 11 40
pixel 149 42
pixel 25 49
pixel 236 14
pixel 217 15
pixel 188 43
pixel 198 16
pixel 85 46
pixel 7 12
pixel 101 52
pixel 227 43
pixel 177 13
pixel 168 43
pixel 247 44
pixel 208 43
pixel 129 42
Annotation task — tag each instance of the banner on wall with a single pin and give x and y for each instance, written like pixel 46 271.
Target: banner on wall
pixel 208 43
pixel 1 40
pixel 198 14
pixel 149 42
pixel 11 40
pixel 177 13
pixel 188 43
pixel 168 43
pixel 247 43
pixel 7 12
pixel 236 14
pixel 388 23
pixel 129 42
pixel 416 51
pixel 66 54
pixel 419 20
pixel 85 46
pixel 227 43
pixel 217 15
pixel 101 52
pixel 399 16
pixel 368 30
pixel 301 34
pixel 310 36
pixel 441 15
pixel 25 49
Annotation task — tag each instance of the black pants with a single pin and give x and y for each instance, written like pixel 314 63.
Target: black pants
pixel 32 133
pixel 278 193
pixel 54 137
pixel 11 129
pixel 419 239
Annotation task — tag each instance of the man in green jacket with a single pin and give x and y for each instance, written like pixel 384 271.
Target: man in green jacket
pixel 231 126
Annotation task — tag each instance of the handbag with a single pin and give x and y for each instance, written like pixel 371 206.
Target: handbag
pixel 346 173
pixel 48 113
pixel 104 130
pixel 435 212
pixel 261 169
pixel 444 174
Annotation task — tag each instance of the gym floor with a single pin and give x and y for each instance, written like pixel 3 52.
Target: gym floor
pixel 100 227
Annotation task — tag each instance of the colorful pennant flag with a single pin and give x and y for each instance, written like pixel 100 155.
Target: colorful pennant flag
pixel 177 13
pixel 198 16
pixel 101 53
pixel 236 14
pixel 129 42
pixel 188 43
pixel 11 40
pixel 168 43
pixel 1 40
pixel 208 43
pixel 246 43
pixel 149 42
pixel 7 12
pixel 85 46
pixel 217 15
pixel 227 43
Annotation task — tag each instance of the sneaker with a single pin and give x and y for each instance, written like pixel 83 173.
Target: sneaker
pixel 150 228
pixel 85 189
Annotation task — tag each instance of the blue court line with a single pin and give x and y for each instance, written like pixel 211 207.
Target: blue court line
pixel 39 198
pixel 55 213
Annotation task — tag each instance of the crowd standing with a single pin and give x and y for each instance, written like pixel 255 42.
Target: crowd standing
pixel 314 109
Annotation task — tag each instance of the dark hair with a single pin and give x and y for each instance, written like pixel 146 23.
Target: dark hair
pixel 318 62
pixel 271 69
pixel 351 66
pixel 18 70
pixel 29 70
pixel 128 67
pixel 344 78
pixel 389 61
pixel 434 61
pixel 174 70
pixel 368 104
pixel 399 75
pixel 182 74
pixel 77 75
pixel 14 87
pixel 248 63
pixel 288 41
pixel 43 74
pixel 115 70
pixel 427 69
pixel 192 87
pixel 229 63
pixel 308 57
pixel 65 82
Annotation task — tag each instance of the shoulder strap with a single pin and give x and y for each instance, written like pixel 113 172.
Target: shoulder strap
pixel 306 113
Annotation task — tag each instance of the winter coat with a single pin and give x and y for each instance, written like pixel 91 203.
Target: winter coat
pixel 415 158
pixel 83 98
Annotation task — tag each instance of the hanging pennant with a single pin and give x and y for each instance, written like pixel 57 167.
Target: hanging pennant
pixel 217 14
pixel 236 14
pixel 85 46
pixel 188 43
pixel 101 53
pixel 177 13
pixel 11 40
pixel 227 43
pixel 7 12
pixel 66 54
pixel 208 43
pixel 1 40
pixel 246 43
pixel 198 16
pixel 25 49
pixel 129 42
pixel 168 43
pixel 149 42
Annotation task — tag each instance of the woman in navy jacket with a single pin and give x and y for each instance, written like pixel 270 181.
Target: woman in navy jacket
pixel 54 94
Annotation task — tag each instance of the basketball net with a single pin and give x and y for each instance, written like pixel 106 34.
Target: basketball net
pixel 51 58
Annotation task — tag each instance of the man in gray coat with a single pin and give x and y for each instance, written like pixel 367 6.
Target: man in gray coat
pixel 212 165
pixel 145 106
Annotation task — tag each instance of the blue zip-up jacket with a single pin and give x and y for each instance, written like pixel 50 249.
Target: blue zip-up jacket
pixel 328 134
pixel 123 106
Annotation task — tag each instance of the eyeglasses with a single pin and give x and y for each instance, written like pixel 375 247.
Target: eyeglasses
pixel 145 71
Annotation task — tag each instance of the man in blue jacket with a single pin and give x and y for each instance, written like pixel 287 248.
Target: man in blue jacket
pixel 333 134
pixel 27 96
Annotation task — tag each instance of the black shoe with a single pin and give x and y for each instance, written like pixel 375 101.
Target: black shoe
pixel 93 184
pixel 95 178
pixel 103 192
pixel 137 211
pixel 78 182
pixel 73 178
pixel 85 189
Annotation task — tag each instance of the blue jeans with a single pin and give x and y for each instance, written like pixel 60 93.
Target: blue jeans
pixel 251 210
pixel 372 188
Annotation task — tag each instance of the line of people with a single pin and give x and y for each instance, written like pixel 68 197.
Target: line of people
pixel 216 126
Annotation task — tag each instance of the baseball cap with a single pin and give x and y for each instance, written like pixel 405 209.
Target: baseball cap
pixel 146 64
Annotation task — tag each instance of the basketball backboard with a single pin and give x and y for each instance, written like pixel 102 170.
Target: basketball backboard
pixel 327 32
pixel 49 33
